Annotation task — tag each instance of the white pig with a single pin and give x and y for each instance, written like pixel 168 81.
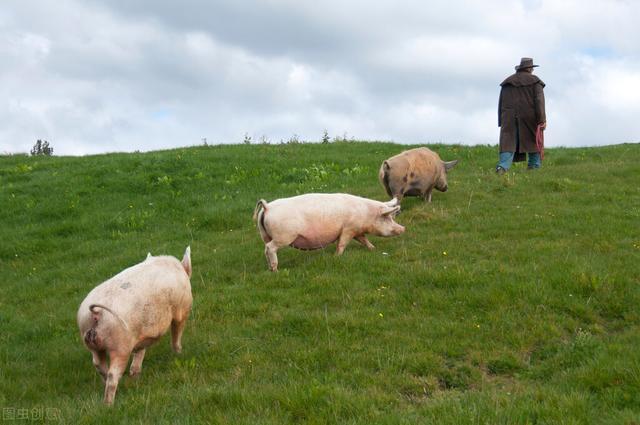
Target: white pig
pixel 131 311
pixel 315 220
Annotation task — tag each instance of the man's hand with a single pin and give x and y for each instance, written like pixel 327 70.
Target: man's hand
pixel 543 125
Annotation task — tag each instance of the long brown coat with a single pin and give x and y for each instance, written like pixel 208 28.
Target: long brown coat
pixel 520 110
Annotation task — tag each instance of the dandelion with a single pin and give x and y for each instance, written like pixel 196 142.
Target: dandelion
pixel 444 253
pixel 380 314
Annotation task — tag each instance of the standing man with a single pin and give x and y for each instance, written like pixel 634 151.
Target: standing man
pixel 520 112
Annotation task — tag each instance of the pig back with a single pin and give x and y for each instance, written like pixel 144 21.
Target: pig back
pixel 146 297
pixel 411 172
pixel 421 162
pixel 323 208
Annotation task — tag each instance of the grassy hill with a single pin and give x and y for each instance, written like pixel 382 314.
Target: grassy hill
pixel 510 299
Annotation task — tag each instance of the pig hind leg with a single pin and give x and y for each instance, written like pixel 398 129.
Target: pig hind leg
pixel 100 363
pixel 271 249
pixel 116 369
pixel 136 363
pixel 177 327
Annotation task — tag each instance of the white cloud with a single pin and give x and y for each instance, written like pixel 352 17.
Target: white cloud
pixel 618 89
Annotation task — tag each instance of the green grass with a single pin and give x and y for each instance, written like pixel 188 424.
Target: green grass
pixel 509 300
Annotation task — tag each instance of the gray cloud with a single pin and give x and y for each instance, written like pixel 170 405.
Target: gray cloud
pixel 119 75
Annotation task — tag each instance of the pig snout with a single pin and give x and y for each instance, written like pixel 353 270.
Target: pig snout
pixel 390 229
pixel 398 229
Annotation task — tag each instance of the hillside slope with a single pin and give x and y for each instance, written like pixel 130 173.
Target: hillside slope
pixel 509 299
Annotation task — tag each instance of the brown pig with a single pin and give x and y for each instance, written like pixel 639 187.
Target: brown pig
pixel 315 220
pixel 414 172
pixel 131 311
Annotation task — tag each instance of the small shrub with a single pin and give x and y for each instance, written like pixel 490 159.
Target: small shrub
pixel 23 168
pixel 314 173
pixel 247 139
pixel 163 181
pixel 325 137
pixel 293 140
pixel 41 148
pixel 343 139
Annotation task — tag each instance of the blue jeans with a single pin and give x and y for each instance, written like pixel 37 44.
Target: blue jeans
pixel 506 158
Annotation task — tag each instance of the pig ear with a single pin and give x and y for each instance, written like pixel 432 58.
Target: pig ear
pixel 186 261
pixel 449 164
pixel 386 165
pixel 392 203
pixel 390 210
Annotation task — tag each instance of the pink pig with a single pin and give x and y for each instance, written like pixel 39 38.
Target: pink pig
pixel 315 220
pixel 131 311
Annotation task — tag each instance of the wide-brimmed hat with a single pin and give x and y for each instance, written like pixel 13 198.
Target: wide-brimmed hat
pixel 525 63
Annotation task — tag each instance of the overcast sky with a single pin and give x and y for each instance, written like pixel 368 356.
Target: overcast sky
pixel 122 75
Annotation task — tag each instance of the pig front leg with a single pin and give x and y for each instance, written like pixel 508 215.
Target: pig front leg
pixel 427 195
pixel 364 241
pixel 343 241
pixel 136 363
pixel 116 369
